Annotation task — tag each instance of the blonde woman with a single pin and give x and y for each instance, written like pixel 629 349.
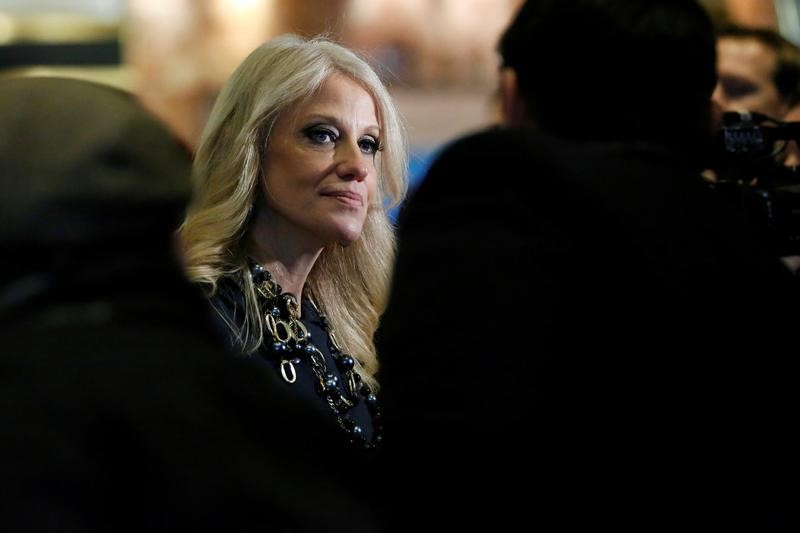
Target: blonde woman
pixel 302 156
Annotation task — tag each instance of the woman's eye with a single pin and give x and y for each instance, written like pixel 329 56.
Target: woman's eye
pixel 368 145
pixel 321 135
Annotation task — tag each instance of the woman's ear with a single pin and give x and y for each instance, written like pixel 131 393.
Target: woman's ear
pixel 513 108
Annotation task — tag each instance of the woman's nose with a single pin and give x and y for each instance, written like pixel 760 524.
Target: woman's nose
pixel 351 165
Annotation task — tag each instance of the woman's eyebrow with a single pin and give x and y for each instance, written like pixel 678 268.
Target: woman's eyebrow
pixel 322 117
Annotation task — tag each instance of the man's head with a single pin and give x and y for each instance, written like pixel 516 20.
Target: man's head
pixel 758 71
pixel 85 166
pixel 611 69
pixel 92 186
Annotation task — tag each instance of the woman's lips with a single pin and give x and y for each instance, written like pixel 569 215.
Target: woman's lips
pixel 350 198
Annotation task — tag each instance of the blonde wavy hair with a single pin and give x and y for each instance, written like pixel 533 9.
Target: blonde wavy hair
pixel 350 284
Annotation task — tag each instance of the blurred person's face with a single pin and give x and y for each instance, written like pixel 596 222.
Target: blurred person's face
pixel 319 170
pixel 745 67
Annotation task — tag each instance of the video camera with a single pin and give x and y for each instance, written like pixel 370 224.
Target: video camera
pixel 749 167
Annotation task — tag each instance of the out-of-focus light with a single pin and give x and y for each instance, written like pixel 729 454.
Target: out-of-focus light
pixel 242 4
pixel 8 28
pixel 63 27
pixel 364 11
pixel 164 14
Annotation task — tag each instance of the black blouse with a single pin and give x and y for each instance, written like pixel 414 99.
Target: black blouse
pixel 229 302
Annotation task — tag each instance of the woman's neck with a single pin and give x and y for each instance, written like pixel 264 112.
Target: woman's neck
pixel 283 251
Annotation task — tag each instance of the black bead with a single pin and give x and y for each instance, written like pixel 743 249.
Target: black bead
pixel 275 311
pixel 309 349
pixel 296 361
pixel 330 383
pixel 345 363
pixel 371 400
pixel 279 348
pixel 357 433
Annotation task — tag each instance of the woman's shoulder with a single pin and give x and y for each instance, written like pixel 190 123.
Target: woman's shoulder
pixel 227 291
pixel 228 298
pixel 227 302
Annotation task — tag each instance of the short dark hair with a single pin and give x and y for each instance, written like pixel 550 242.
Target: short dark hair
pixel 786 75
pixel 621 70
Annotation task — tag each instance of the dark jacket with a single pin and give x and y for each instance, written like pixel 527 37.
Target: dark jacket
pixel 606 348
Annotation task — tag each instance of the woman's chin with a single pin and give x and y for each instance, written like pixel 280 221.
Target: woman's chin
pixel 348 240
pixel 348 235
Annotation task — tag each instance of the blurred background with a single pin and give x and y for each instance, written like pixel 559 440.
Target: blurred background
pixel 437 56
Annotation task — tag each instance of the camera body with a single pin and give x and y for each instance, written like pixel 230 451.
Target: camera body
pixel 749 168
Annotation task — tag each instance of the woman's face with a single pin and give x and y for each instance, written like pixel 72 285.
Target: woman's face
pixel 320 174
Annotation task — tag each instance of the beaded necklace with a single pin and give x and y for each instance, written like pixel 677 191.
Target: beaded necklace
pixel 287 339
